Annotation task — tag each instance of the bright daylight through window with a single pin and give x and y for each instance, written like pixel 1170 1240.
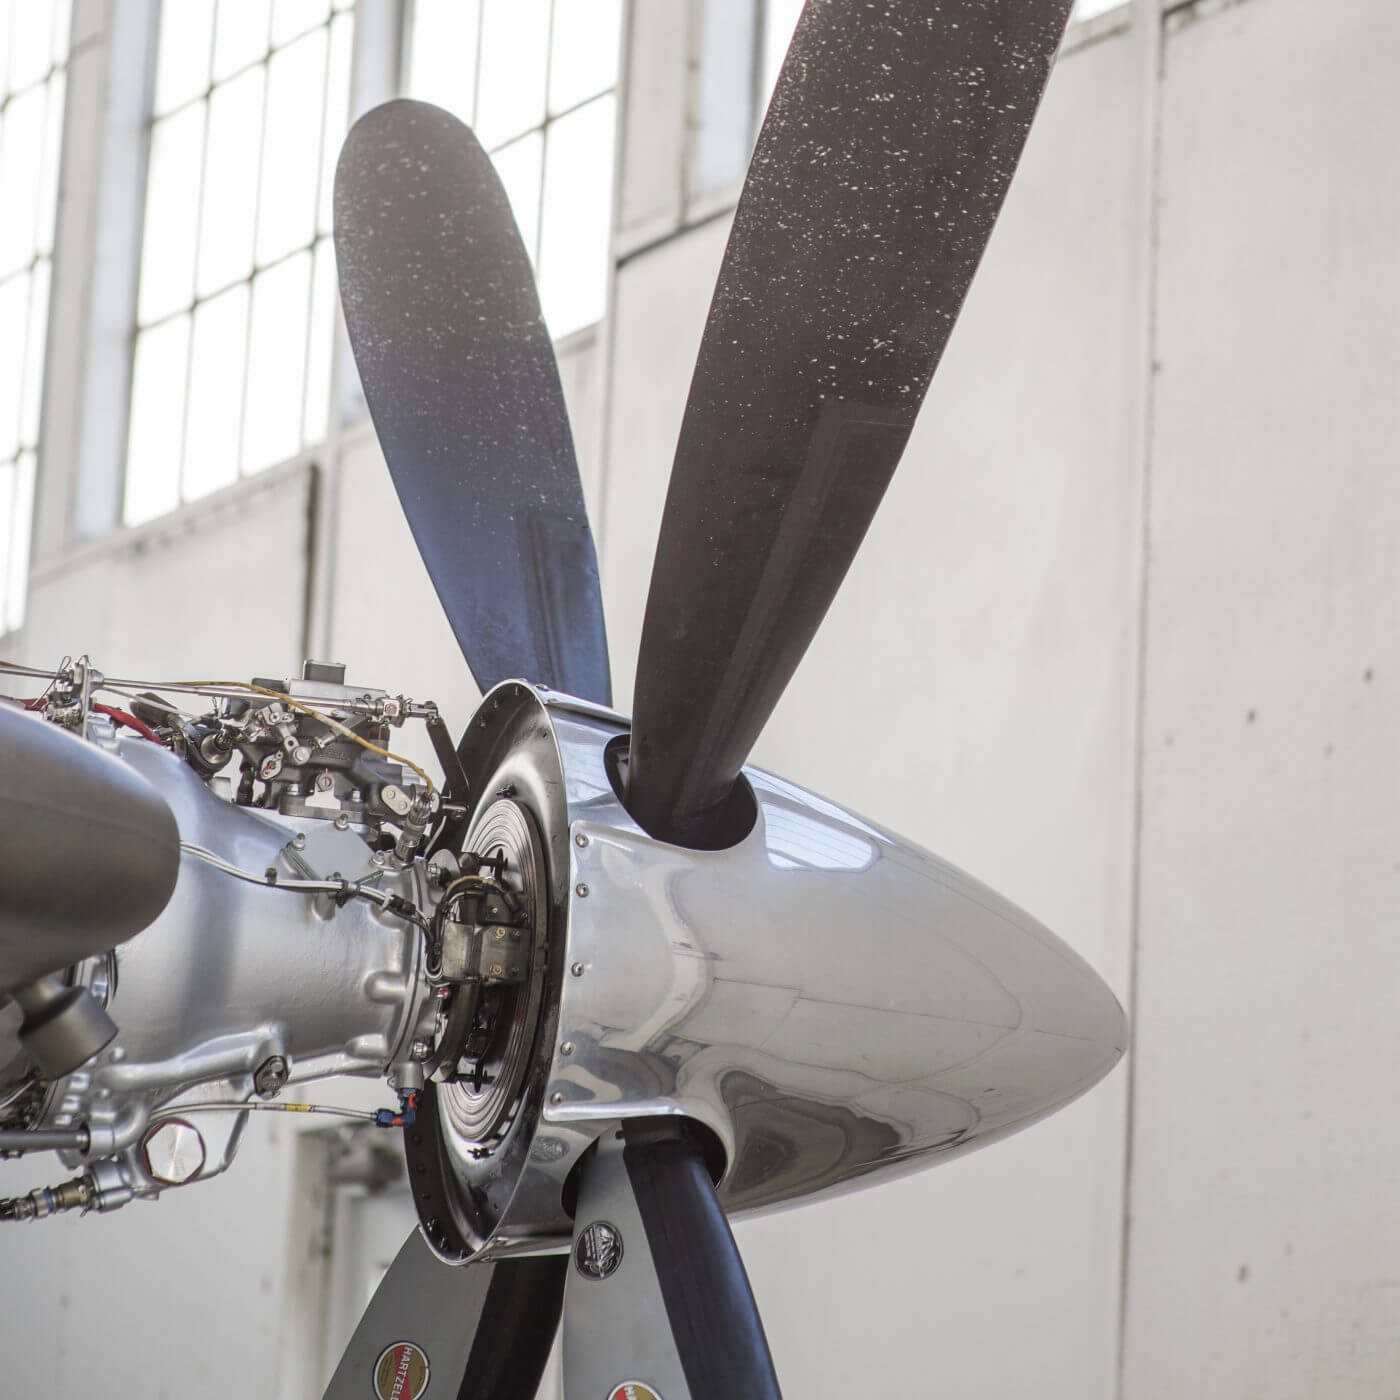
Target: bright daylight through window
pixel 236 309
pixel 535 79
pixel 33 49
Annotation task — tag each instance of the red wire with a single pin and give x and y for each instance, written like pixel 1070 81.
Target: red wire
pixel 130 720
pixel 121 716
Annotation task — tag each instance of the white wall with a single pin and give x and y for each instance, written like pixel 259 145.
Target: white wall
pixel 1216 200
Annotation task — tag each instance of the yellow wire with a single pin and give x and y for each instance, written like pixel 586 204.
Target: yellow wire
pixel 315 714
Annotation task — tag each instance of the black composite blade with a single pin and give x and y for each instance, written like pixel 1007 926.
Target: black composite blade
pixel 460 376
pixel 657 1301
pixel 473 1329
pixel 890 141
pixel 89 850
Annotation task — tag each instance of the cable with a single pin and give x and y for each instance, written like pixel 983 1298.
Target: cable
pixel 339 890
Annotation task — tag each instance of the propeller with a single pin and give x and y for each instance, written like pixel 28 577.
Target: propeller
pixel 89 850
pixel 892 136
pixel 460 376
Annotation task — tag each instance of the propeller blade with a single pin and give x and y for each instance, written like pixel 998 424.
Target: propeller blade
pixel 476 1329
pixel 89 850
pixel 460 376
pixel 889 144
pixel 657 1303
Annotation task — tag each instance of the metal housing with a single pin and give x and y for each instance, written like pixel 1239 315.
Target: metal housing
pixel 831 1002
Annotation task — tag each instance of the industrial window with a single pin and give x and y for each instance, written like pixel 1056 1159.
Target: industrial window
pixel 236 307
pixel 33 51
pixel 536 80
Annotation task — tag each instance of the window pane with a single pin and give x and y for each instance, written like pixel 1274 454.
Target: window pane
pixel 62 18
pixel 779 20
pixel 584 51
pixel 293 17
pixel 240 35
pixel 325 296
pixel 48 169
pixel 577 217
pixel 514 53
pixel 218 349
pixel 157 421
pixel 276 363
pixel 443 63
pixel 172 212
pixel 231 181
pixel 33 342
pixel 14 317
pixel 21 525
pixel 287 200
pixel 182 65
pixel 21 174
pixel 518 165
pixel 337 113
pixel 31 40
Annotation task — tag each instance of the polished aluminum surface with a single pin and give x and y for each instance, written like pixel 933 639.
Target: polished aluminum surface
pixel 232 975
pixel 832 1002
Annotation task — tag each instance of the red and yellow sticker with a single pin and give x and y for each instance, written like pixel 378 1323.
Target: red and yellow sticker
pixel 633 1390
pixel 401 1373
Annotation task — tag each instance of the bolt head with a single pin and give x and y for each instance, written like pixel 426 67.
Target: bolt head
pixel 342 822
pixel 580 840
pixel 174 1152
pixel 270 1076
pixel 581 890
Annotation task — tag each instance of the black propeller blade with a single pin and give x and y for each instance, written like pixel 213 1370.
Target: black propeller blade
pixel 893 133
pixel 89 850
pixel 657 1299
pixel 475 1330
pixel 460 376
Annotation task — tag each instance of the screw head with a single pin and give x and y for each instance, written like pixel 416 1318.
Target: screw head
pixel 567 1048
pixel 581 890
pixel 342 822
pixel 499 935
pixel 580 840
pixel 299 841
pixel 576 969
pixel 421 1049
pixel 556 1097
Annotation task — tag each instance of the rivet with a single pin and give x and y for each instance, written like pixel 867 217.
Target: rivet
pixel 581 890
pixel 567 1048
pixel 577 969
pixel 580 839
pixel 556 1097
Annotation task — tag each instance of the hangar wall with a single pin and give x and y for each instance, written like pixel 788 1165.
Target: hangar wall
pixel 1119 643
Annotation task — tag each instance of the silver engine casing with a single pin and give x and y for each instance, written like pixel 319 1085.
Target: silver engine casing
pixel 234 976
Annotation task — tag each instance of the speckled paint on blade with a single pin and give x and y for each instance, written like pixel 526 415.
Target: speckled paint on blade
pixel 892 137
pixel 459 373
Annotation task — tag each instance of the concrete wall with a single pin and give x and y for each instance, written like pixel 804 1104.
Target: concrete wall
pixel 1121 643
